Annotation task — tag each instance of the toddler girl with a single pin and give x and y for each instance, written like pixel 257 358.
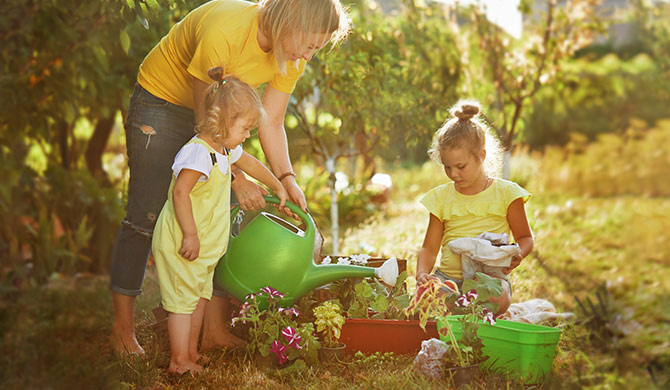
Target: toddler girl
pixel 473 201
pixel 192 230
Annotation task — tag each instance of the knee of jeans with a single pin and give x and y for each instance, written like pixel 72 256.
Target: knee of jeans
pixel 136 228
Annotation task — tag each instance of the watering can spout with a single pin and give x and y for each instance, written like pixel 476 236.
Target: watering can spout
pixel 319 275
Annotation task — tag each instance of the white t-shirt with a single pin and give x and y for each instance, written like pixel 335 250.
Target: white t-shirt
pixel 197 157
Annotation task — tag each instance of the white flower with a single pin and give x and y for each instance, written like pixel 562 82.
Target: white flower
pixel 360 258
pixel 343 260
pixel 326 260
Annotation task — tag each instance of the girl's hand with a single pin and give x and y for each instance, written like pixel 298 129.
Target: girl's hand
pixel 424 278
pixel 516 260
pixel 190 247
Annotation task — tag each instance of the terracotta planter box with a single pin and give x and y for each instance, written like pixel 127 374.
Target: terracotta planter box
pixel 397 336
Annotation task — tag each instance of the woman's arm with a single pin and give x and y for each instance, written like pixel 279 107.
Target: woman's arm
pixel 429 249
pixel 190 243
pixel 258 171
pixel 518 223
pixel 273 140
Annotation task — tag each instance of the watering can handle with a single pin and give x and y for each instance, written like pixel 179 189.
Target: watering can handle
pixel 306 218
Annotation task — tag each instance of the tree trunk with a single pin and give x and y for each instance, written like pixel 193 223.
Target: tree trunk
pixel 97 144
pixel 334 219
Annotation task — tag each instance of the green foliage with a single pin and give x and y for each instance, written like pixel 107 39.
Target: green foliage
pixel 53 224
pixel 630 163
pixel 373 296
pixel 596 97
pixel 329 321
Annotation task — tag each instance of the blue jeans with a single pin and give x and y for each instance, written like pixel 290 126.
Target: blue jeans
pixel 155 131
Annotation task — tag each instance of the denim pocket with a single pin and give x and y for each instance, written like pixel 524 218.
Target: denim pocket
pixel 146 98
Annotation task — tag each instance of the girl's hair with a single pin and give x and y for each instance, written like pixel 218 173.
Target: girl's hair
pixel 465 131
pixel 279 18
pixel 226 100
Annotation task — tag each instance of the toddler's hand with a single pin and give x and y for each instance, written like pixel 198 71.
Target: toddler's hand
pixel 190 247
pixel 516 260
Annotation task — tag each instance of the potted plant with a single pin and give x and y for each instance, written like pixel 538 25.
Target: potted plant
pixel 276 332
pixel 460 331
pixel 329 321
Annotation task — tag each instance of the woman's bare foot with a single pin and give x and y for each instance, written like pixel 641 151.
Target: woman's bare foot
pixel 124 344
pixel 221 339
pixel 202 359
pixel 184 367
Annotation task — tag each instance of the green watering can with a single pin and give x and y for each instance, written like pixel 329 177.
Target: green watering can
pixel 272 252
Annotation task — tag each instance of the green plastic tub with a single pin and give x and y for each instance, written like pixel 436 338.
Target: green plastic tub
pixel 524 351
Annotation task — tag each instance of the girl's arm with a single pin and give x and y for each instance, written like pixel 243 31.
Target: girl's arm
pixel 429 250
pixel 190 243
pixel 518 223
pixel 260 172
pixel 273 140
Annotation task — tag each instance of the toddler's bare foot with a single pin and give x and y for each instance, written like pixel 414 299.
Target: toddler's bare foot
pixel 124 344
pixel 184 367
pixel 221 339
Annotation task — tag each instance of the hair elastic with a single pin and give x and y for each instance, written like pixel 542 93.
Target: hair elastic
pixel 220 83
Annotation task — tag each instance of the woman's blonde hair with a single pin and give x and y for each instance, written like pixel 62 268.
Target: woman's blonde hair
pixel 280 18
pixel 226 100
pixel 464 130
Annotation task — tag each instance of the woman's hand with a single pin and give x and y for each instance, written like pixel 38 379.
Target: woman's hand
pixel 249 194
pixel 294 192
pixel 190 247
pixel 516 260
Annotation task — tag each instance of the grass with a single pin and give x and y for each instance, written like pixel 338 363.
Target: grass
pixel 55 336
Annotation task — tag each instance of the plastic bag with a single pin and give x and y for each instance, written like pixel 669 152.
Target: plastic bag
pixel 430 360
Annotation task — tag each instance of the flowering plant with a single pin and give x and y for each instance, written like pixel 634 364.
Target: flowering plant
pixel 474 309
pixel 329 321
pixel 276 330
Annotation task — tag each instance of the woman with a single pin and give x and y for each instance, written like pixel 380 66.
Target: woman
pixel 268 42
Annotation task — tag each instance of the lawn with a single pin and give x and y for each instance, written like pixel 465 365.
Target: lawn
pixel 55 336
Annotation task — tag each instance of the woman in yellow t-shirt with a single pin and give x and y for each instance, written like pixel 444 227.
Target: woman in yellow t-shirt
pixel 266 42
pixel 472 203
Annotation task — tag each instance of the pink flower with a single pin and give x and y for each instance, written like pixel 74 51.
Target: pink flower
pixel 292 338
pixel 272 292
pixel 463 301
pixel 279 350
pixel 488 316
pixel 472 295
pixel 292 311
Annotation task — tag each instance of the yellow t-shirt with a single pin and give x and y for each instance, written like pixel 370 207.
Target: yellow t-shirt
pixel 218 33
pixel 470 215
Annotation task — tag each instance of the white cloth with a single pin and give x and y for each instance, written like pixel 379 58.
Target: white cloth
pixel 196 157
pixel 479 254
pixel 535 311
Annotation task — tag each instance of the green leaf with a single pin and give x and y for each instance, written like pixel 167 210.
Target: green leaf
pixel 124 38
pixel 151 4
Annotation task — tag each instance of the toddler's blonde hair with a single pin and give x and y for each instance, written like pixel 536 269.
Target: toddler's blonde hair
pixel 464 130
pixel 280 18
pixel 226 100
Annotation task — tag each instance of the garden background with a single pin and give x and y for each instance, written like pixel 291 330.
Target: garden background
pixel 580 99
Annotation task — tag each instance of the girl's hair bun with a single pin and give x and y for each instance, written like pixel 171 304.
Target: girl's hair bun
pixel 466 111
pixel 215 73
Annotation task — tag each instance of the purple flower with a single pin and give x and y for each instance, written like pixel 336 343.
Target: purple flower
pixel 272 292
pixel 488 316
pixel 292 311
pixel 472 295
pixel 292 338
pixel 279 350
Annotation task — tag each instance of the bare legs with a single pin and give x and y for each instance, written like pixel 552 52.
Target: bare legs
pixel 123 338
pixel 215 332
pixel 184 331
pixel 503 300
